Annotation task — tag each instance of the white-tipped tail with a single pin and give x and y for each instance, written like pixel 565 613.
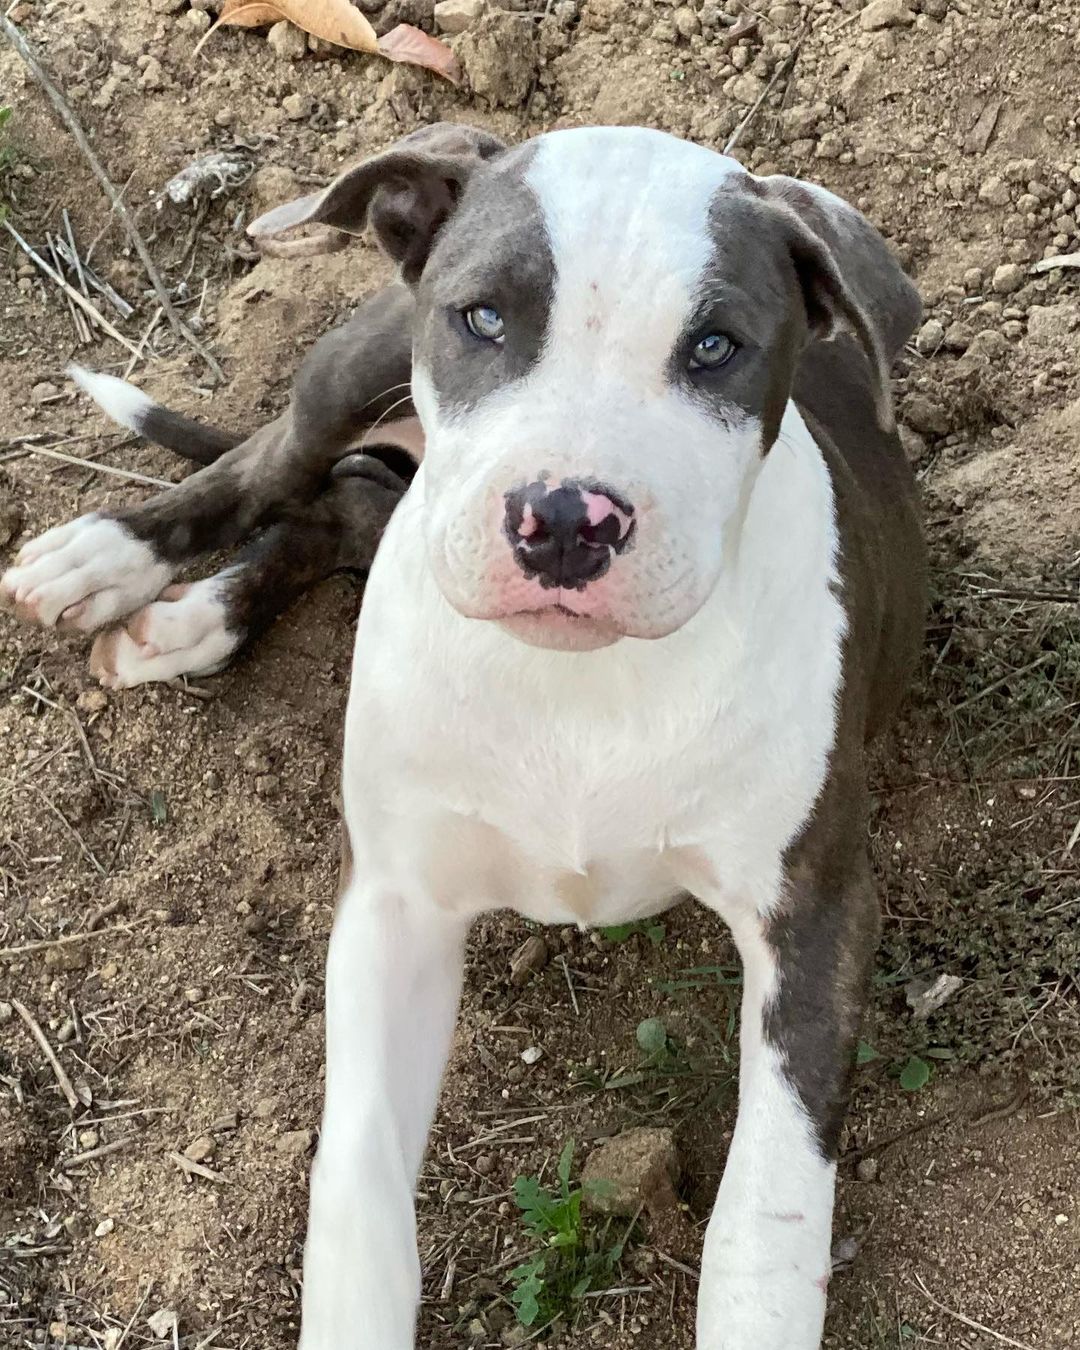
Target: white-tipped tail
pixel 122 401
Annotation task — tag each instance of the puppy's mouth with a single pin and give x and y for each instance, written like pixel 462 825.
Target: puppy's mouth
pixel 559 629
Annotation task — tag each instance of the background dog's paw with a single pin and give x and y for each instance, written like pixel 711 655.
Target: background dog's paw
pixel 184 632
pixel 82 575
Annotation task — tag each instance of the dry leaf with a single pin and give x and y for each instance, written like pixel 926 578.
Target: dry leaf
pixel 413 45
pixel 340 22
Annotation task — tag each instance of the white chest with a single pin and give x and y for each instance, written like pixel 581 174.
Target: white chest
pixel 592 788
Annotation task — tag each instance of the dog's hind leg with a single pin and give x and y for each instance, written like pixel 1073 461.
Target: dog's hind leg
pixel 198 628
pixel 103 566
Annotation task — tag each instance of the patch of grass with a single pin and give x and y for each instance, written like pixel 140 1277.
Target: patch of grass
pixel 649 928
pixel 575 1255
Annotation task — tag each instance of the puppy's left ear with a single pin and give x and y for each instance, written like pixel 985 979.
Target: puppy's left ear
pixel 849 276
pixel 406 194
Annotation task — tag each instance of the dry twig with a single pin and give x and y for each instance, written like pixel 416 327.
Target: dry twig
pixel 86 305
pixel 970 1322
pixel 119 206
pixel 46 943
pixel 49 1053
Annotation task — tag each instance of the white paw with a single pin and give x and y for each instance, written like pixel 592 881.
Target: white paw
pixel 184 632
pixel 83 575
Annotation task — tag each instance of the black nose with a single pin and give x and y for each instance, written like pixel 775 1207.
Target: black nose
pixel 566 536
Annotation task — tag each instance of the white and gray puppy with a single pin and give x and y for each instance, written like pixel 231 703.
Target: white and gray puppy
pixel 656 582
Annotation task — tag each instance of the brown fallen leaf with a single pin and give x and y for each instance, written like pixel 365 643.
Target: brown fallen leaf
pixel 417 48
pixel 341 23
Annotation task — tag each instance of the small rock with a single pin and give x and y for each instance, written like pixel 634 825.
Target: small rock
pixel 295 1143
pixel 43 391
pixel 995 192
pixel 532 1055
pixel 639 1166
pixel 108 972
pixel 92 701
pixel 958 336
pixel 747 89
pixel 265 1108
pixel 7 1012
pixel 867 1169
pixel 798 123
pixel 75 1226
pixel 499 53
pixel 298 107
pixel 783 16
pixel 880 14
pixel 199 1150
pixel 162 1323
pixel 104 1228
pixel 197 19
pixel 925 415
pixel 687 23
pixel 973 280
pixel 930 337
pixel 229 1121
pixel 1009 277
pixel 454 16
pixel 830 146
pixel 531 956
pixel 924 997
pixel 485 1164
pixel 89 1139
pixel 153 76
pixel 288 42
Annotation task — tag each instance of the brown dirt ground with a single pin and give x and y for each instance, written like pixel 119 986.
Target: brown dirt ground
pixel 198 828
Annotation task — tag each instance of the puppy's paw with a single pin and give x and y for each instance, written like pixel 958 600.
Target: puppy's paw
pixel 184 632
pixel 83 575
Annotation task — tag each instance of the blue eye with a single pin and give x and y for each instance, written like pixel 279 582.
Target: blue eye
pixel 485 323
pixel 712 351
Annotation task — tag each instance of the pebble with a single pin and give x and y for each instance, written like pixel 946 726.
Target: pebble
pixel 1009 277
pixel 89 1139
pixel 687 23
pixel 867 1169
pixel 930 337
pixel 638 1167
pixel 92 701
pixel 531 956
pixel 198 19
pixel 880 14
pixel 294 1143
pixel 287 42
pixel 532 1055
pixel 43 391
pixel 7 1012
pixel 973 280
pixel 162 1323
pixel 925 415
pixel 298 107
pixel 485 1164
pixel 747 89
pixel 199 1150
pixel 995 192
pixel 104 1228
pixel 153 76
pixel 454 16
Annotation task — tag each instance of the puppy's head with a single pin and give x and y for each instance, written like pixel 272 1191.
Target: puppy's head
pixel 609 322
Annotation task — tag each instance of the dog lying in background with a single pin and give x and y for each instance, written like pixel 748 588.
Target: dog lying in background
pixel 656 582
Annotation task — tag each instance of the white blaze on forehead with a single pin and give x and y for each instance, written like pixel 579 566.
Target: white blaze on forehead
pixel 627 215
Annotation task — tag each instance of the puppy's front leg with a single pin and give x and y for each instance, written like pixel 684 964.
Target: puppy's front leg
pixel 767 1259
pixel 393 980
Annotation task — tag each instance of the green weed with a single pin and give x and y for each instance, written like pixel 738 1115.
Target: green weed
pixel 575 1256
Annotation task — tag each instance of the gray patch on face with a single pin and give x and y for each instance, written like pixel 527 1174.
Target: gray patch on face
pixel 494 251
pixel 749 292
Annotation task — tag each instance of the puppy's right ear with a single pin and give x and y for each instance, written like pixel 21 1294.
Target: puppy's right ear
pixel 405 194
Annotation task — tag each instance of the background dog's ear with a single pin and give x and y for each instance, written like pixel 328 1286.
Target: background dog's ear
pixel 405 194
pixel 849 276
